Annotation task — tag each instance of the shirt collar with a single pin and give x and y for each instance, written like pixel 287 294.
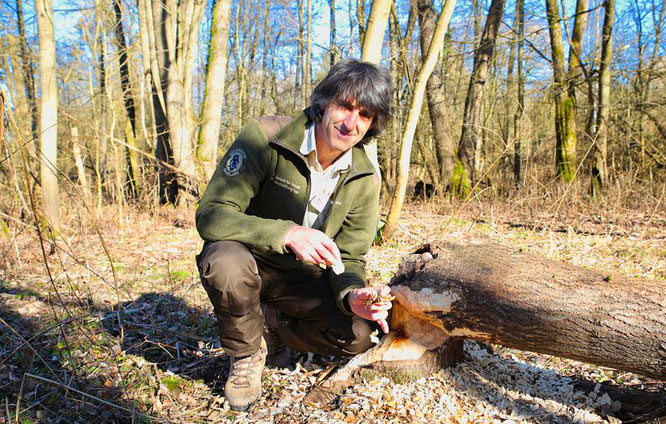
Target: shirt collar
pixel 309 150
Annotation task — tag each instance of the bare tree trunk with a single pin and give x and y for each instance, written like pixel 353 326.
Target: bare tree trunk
pixel 211 114
pixel 372 52
pixel 78 161
pixel 102 137
pixel 565 100
pixel 465 176
pixel 507 137
pixel 374 33
pixel 299 89
pixel 518 136
pixel 133 176
pixel 266 72
pixel 307 67
pixel 48 112
pixel 173 32
pixel 600 168
pixel 332 47
pixel 398 197
pixel 360 17
pixel 436 97
pixel 28 71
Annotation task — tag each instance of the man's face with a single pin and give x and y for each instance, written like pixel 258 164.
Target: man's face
pixel 343 125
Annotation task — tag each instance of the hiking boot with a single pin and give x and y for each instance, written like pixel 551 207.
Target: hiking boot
pixel 243 386
pixel 279 354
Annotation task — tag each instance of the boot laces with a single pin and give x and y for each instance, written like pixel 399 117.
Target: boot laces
pixel 242 369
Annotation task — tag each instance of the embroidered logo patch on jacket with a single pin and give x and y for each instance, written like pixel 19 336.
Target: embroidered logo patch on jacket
pixel 235 164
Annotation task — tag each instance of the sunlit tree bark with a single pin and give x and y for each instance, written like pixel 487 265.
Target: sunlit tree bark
pixel 28 71
pixel 132 156
pixel 375 30
pixel 398 197
pixel 466 174
pixel 564 86
pixel 517 129
pixel 211 114
pixel 437 101
pixel 332 46
pixel 600 168
pixel 372 52
pixel 173 32
pixel 48 139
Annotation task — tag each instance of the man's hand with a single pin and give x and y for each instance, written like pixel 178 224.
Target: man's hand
pixel 371 303
pixel 312 246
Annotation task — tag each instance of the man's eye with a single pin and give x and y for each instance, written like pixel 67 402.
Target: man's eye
pixel 365 114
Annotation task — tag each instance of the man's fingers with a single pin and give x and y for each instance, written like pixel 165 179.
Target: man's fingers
pixel 325 254
pixel 380 306
pixel 383 325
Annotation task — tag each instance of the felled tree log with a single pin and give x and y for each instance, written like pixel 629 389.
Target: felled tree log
pixel 501 295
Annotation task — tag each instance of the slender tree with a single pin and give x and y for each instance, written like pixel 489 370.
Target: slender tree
pixel 398 196
pixel 466 173
pixel 373 40
pixel 48 112
pixel 173 32
pixel 518 136
pixel 564 86
pixel 437 99
pixel 28 71
pixel 211 114
pixel 375 30
pixel 332 47
pixel 131 154
pixel 600 168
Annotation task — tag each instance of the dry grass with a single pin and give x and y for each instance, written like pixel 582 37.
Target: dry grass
pixel 133 338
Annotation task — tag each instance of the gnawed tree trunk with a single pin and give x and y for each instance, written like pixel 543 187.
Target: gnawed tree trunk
pixel 465 175
pixel 495 294
pixel 500 295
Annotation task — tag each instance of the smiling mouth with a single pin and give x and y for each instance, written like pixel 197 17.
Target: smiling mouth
pixel 344 133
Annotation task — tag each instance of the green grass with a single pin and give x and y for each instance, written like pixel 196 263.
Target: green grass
pixel 172 382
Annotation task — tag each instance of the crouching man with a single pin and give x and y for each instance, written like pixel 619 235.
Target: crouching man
pixel 286 220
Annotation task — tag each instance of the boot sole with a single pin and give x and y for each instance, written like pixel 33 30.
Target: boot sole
pixel 244 408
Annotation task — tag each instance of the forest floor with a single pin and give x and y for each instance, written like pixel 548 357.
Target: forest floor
pixel 136 341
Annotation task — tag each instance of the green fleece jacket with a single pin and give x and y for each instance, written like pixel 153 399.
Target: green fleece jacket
pixel 261 188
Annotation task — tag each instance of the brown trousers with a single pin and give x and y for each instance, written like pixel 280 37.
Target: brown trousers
pixel 309 319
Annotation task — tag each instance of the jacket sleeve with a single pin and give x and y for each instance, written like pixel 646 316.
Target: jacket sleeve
pixel 354 240
pixel 221 212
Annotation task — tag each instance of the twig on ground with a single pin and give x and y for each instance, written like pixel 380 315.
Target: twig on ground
pixel 66 387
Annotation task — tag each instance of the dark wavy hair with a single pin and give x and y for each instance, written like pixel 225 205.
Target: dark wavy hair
pixel 364 82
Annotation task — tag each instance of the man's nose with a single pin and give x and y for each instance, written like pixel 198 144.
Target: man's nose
pixel 350 119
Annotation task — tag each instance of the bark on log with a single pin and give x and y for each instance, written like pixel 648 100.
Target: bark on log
pixel 500 295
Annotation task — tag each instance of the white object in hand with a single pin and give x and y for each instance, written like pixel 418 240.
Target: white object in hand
pixel 338 268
